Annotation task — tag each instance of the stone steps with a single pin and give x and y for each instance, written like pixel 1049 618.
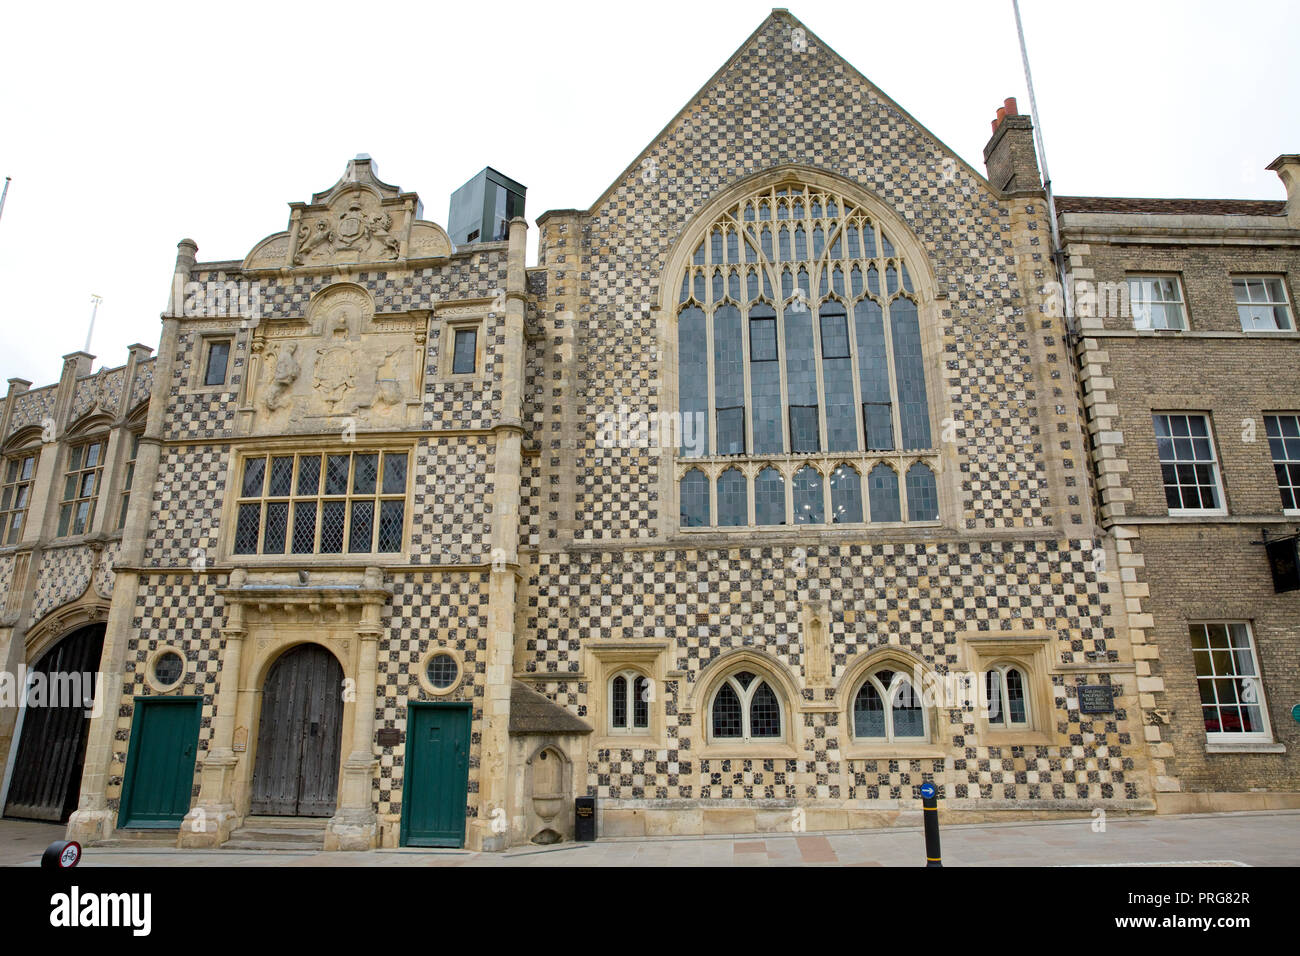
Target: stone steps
pixel 278 833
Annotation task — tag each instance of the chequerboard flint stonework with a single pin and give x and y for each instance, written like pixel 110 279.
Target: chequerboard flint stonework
pixel 789 479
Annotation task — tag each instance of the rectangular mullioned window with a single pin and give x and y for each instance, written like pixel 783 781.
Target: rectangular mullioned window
pixel 330 503
pixel 81 488
pixel 15 496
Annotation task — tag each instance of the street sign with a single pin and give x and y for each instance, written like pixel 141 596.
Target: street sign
pixel 927 791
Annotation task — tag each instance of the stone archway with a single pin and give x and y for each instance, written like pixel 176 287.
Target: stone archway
pixel 300 730
pixel 58 695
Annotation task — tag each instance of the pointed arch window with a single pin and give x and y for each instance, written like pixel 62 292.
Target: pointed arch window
pixel 798 334
pixel 888 708
pixel 745 707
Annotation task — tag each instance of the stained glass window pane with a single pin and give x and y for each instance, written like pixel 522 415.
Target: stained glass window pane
pixel 336 474
pixel 873 374
pixel 277 523
pixel 726 713
pixel 769 497
pixel 618 702
pixel 801 380
pixel 359 531
pixel 254 472
pixel 281 477
pixel 922 495
pixel 733 498
pixel 395 474
pixel 728 380
pixel 365 473
pixel 882 486
pixel 304 527
pixel 764 713
pixel 1016 708
pixel 695 499
pixel 390 526
pixel 846 496
pixel 332 517
pixel 246 528
pixel 868 713
pixel 807 488
pixel 693 376
pixel 909 719
pixel 309 475
pixel 463 357
pixel 837 377
pixel 442 671
pixel 640 703
pixel 909 366
pixel 765 382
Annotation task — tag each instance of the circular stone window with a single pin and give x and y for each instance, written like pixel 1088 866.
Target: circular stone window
pixel 443 671
pixel 168 669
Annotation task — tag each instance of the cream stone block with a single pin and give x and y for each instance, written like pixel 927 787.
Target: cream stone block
pixel 621 823
pixel 729 821
pixel 659 823
pixel 1153 685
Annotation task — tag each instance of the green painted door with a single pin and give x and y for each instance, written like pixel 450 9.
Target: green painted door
pixel 437 775
pixel 160 762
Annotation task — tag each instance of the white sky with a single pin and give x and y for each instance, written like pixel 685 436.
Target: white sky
pixel 125 131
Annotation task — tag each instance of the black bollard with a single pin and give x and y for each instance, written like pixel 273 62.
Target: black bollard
pixel 931 804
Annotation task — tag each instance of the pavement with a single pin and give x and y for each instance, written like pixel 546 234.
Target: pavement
pixel 1266 838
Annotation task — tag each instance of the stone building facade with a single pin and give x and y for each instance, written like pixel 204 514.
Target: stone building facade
pixel 763 498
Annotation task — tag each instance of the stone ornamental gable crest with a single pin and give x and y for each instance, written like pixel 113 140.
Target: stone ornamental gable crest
pixel 360 219
pixel 342 366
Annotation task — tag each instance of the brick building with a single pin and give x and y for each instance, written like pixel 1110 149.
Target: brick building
pixel 764 497
pixel 1190 390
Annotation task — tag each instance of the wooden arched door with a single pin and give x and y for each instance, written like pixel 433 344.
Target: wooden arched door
pixel 46 779
pixel 299 735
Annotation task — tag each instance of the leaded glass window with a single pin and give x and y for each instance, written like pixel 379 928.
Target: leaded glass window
pixel 887 708
pixel 344 503
pixel 15 495
pixel 1006 704
pixel 81 487
pixel 799 334
pixel 746 707
pixel 629 702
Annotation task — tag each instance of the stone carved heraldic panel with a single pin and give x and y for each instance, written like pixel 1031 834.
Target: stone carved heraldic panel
pixel 342 364
pixel 360 219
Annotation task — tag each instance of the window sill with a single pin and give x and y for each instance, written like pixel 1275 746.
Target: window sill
pixel 804 528
pixel 776 750
pixel 1206 513
pixel 918 751
pixel 1244 747
pixel 628 742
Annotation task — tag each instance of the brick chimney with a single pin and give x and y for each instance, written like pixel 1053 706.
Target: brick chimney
pixel 1009 157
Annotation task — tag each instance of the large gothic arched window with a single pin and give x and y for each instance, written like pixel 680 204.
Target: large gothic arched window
pixel 799 353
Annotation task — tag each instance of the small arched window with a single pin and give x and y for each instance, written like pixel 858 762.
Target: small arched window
pixel 629 702
pixel 1008 704
pixel 888 708
pixel 745 707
